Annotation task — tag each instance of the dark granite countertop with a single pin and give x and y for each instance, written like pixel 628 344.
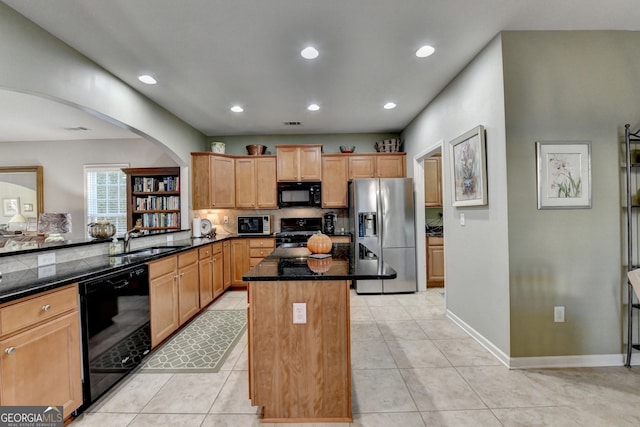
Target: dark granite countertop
pixel 348 261
pixel 31 281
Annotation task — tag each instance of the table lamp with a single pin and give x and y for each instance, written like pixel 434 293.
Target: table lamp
pixel 53 225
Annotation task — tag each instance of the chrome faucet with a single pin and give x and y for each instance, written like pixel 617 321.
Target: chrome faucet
pixel 134 232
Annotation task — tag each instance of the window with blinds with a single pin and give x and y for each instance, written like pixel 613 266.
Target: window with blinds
pixel 106 195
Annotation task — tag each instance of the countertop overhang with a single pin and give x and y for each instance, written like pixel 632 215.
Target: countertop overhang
pixel 347 261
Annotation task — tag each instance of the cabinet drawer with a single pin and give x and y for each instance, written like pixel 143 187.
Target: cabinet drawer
pixel 259 253
pixel 340 239
pixel 162 267
pixel 262 243
pixel 204 252
pixel 187 258
pixel 217 248
pixel 33 310
pixel 435 241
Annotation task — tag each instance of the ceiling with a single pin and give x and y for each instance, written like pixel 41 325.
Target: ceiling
pixel 208 55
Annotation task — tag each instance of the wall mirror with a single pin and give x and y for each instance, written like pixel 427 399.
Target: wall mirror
pixel 21 194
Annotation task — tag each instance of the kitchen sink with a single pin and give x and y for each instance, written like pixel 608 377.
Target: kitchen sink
pixel 147 252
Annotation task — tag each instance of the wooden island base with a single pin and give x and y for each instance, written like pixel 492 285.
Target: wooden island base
pixel 300 372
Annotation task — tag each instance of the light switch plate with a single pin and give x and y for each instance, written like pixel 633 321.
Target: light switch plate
pixel 46 259
pixel 299 312
pixel 169 238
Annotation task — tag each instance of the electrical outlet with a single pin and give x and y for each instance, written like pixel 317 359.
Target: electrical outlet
pixel 169 238
pixel 46 259
pixel 299 312
pixel 225 219
pixel 558 313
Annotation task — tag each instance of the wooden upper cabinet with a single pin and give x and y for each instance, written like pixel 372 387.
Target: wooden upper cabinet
pixel 433 182
pixel 391 165
pixel 377 165
pixel 256 183
pixel 212 181
pixel 299 162
pixel 245 183
pixel 335 170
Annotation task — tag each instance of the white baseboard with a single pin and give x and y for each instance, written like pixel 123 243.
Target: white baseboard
pixel 579 361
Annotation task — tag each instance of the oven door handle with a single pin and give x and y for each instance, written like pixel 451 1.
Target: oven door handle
pixel 121 284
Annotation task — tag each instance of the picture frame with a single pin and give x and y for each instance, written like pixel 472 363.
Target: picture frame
pixel 10 206
pixel 563 174
pixel 27 207
pixel 468 165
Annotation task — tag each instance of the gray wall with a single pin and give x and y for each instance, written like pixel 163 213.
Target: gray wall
pixel 476 255
pixel 568 86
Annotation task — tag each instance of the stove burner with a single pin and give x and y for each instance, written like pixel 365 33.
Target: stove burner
pixel 294 232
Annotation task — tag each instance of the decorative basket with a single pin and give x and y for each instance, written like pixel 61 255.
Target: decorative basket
pixel 388 145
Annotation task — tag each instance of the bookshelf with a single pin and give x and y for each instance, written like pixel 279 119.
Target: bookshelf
pixel 153 197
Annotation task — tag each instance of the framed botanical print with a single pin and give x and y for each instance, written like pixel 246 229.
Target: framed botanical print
pixel 468 165
pixel 563 175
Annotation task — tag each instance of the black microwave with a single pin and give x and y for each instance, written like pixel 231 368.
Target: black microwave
pixel 291 194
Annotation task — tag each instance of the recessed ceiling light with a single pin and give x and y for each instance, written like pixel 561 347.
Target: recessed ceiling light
pixel 425 51
pixel 309 53
pixel 147 79
pixel 313 107
pixel 237 109
pixel 389 106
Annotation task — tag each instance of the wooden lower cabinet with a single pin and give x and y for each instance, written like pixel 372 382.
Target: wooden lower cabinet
pixel 247 252
pixel 300 372
pixel 40 362
pixel 435 261
pixel 205 270
pixel 188 285
pixel 226 270
pixel 163 298
pixel 218 270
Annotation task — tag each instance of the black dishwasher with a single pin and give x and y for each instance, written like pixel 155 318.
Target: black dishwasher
pixel 115 328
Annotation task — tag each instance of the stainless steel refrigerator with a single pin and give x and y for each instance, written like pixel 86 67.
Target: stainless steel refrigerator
pixel 381 218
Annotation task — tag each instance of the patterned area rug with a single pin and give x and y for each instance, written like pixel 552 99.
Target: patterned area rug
pixel 202 346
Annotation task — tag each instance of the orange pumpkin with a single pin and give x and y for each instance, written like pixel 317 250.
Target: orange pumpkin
pixel 319 265
pixel 319 243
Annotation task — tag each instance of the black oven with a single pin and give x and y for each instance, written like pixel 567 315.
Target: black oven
pixel 291 194
pixel 115 328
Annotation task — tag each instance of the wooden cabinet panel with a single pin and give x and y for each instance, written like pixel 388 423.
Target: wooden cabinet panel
pixel 227 262
pixel 433 182
pixel 188 285
pixel 218 271
pixel 163 298
pixel 212 181
pixel 299 162
pixel 37 309
pixel 361 167
pixel 390 166
pixel 200 182
pixel 335 173
pixel 266 185
pixel 223 190
pixel 256 183
pixel 42 365
pixel 340 239
pixel 277 348
pixel 240 258
pixel 435 261
pixel 40 351
pixel 205 273
pixel 245 183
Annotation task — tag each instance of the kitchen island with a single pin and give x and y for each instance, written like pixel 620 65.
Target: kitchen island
pixel 299 332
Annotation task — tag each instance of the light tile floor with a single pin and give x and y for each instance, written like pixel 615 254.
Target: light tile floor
pixel 411 367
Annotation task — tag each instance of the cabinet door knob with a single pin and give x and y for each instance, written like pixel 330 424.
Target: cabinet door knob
pixel 46 307
pixel 10 350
